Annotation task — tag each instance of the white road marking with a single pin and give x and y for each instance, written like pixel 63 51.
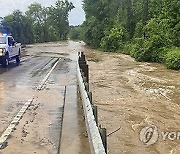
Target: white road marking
pixel 47 76
pixel 19 115
pixel 13 124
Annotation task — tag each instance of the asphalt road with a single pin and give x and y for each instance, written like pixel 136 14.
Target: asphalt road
pixel 41 77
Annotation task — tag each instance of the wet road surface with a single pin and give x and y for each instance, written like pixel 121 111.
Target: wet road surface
pixel 39 129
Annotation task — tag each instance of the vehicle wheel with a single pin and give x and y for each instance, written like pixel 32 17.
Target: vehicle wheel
pixel 5 61
pixel 18 57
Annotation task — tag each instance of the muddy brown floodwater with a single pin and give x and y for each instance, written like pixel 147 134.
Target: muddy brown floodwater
pixel 130 96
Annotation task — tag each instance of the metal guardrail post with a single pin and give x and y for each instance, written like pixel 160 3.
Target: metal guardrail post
pixel 87 86
pixel 83 56
pixel 85 69
pixel 95 112
pixel 104 137
pixel 83 65
pixel 96 140
pixel 84 79
pixel 90 97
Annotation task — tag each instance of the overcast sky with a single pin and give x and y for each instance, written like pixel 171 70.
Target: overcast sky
pixel 76 16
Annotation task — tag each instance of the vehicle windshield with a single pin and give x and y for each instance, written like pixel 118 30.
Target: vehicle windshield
pixel 2 40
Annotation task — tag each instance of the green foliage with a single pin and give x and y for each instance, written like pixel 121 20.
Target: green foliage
pixel 92 32
pixel 157 39
pixel 74 33
pixel 172 59
pixel 150 27
pixel 139 30
pixel 59 17
pixel 129 49
pixel 159 31
pixel 38 16
pixel 113 39
pixel 140 50
pixel 19 26
pixel 40 24
pixel 176 35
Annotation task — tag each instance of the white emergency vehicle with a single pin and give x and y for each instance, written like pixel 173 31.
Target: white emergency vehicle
pixel 9 49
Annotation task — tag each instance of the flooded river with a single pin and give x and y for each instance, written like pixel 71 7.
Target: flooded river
pixel 138 103
pixel 134 95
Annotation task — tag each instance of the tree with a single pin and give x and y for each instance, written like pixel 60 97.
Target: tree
pixel 147 28
pixel 38 16
pixel 74 33
pixel 39 24
pixel 59 17
pixel 19 26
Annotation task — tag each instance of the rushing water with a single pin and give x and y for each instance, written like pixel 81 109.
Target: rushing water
pixel 134 95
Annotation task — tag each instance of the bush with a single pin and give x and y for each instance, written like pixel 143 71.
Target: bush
pixel 153 46
pixel 113 40
pixel 128 48
pixel 155 42
pixel 172 59
pixel 140 50
pixel 139 30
